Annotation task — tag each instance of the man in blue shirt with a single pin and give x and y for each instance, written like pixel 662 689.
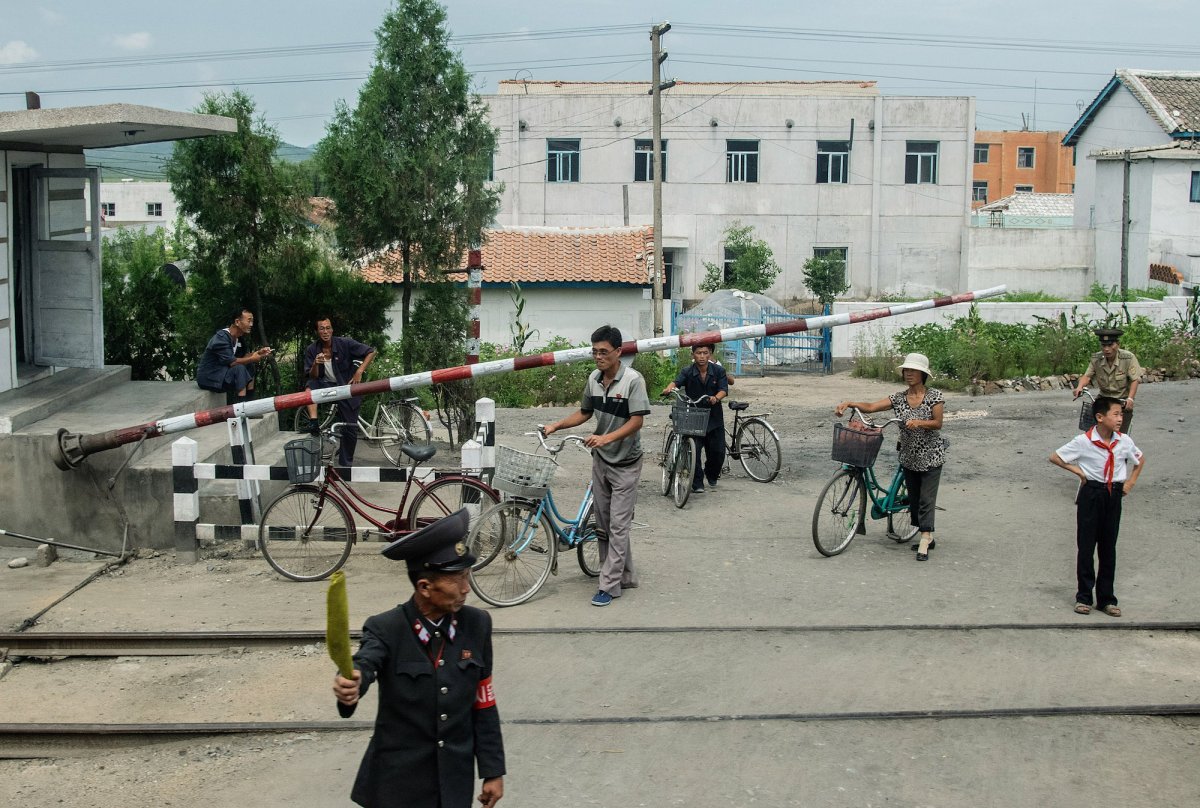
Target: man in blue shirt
pixel 705 379
pixel 221 369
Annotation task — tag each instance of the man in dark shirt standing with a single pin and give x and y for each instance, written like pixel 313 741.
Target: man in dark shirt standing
pixel 329 362
pixel 707 380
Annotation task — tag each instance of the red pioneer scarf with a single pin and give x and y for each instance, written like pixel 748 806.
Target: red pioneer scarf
pixel 1111 463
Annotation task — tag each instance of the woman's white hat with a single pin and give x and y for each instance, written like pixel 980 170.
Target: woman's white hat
pixel 916 361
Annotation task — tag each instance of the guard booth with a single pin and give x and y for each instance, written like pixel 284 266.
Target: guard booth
pixel 51 315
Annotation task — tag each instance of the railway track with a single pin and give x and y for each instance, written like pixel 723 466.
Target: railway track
pixel 187 643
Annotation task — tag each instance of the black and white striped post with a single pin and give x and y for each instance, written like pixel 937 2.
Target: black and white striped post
pixel 186 499
pixel 241 447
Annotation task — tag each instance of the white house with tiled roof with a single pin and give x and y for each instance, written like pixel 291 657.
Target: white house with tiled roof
pixel 1148 121
pixel 572 281
pixel 813 167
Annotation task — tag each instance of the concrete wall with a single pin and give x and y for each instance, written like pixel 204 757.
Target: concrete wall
pixel 846 337
pixel 1121 123
pixel 569 312
pixel 1057 262
pixel 896 235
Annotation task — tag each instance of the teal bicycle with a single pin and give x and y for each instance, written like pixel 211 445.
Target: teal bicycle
pixel 841 509
pixel 516 542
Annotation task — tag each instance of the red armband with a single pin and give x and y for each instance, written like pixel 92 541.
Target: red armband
pixel 484 695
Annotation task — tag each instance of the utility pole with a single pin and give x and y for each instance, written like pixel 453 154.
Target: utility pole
pixel 1125 228
pixel 658 56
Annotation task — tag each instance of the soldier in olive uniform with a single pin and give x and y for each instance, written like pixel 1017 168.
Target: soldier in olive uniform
pixel 1116 372
pixel 432 660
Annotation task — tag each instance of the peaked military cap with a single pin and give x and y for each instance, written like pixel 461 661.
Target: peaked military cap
pixel 437 547
pixel 1108 335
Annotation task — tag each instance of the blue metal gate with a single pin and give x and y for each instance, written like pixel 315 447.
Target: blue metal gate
pixel 784 353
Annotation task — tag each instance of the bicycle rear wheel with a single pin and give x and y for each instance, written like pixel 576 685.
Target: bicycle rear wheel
pixel 444 497
pixel 840 510
pixel 306 535
pixel 521 549
pixel 398 422
pixel 681 482
pixel 668 462
pixel 758 449
pixel 588 550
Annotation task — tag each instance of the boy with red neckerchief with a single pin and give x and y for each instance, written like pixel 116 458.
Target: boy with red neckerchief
pixel 1108 464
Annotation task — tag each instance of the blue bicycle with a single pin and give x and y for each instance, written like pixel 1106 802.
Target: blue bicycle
pixel 516 542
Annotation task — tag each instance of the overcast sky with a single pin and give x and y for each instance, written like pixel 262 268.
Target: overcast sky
pixel 298 58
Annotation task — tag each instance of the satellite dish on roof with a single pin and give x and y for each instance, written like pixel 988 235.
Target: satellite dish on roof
pixel 177 271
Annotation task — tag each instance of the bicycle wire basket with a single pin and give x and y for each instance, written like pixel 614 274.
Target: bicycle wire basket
pixel 1087 416
pixel 303 456
pixel 690 419
pixel 523 474
pixel 856 445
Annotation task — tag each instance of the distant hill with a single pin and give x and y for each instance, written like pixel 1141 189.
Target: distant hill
pixel 145 162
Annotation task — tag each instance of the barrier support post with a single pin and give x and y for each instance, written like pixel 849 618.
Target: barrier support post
pixel 186 488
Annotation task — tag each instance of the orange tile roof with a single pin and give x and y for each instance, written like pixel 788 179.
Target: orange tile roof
pixel 557 255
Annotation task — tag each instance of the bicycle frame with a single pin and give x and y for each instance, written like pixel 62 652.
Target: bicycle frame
pixel 566 530
pixel 883 500
pixel 731 449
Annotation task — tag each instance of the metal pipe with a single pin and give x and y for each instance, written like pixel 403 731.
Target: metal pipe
pixel 59 544
pixel 72 448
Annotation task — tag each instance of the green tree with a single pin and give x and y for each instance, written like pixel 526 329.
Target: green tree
pixel 825 277
pixel 249 238
pixel 407 167
pixel 753 268
pixel 140 307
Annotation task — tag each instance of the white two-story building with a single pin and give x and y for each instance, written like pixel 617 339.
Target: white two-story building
pixel 813 167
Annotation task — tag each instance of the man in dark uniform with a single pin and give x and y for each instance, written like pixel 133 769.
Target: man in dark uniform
pixel 432 659
pixel 1116 372
pixel 705 379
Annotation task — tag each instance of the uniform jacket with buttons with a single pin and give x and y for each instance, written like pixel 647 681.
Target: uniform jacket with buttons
pixel 429 735
pixel 1114 380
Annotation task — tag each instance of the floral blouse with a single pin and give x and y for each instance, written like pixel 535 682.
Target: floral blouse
pixel 920 449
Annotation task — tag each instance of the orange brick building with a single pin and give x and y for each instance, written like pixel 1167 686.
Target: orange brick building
pixel 1008 162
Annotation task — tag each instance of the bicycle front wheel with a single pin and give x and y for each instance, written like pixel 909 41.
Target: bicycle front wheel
pixel 444 497
pixel 681 483
pixel 668 463
pixel 588 550
pixel 306 534
pixel 758 449
pixel 840 510
pixel 521 548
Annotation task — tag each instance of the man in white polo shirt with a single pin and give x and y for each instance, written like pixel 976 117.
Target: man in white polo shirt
pixel 617 396
pixel 1108 464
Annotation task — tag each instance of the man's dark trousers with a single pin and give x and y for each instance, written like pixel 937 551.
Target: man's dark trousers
pixel 713 444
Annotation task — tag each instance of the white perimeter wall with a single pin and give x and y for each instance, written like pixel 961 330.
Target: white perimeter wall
pixel 572 313
pixel 1057 262
pixel 844 337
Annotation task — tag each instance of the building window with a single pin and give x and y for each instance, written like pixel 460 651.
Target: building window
pixel 562 161
pixel 741 161
pixel 832 252
pixel 491 175
pixel 833 161
pixel 1025 157
pixel 981 153
pixel 108 209
pixel 1023 189
pixel 979 191
pixel 1195 194
pixel 643 160
pixel 921 162
pixel 154 208
pixel 727 264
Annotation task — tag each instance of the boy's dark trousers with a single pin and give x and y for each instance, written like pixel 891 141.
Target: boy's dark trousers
pixel 1097 520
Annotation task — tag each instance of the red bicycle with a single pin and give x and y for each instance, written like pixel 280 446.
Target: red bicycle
pixel 307 531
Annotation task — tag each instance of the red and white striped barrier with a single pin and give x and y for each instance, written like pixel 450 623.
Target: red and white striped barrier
pixel 72 449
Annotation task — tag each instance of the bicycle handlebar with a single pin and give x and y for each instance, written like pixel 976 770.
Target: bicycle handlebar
pixel 562 442
pixel 682 397
pixel 1090 397
pixel 856 413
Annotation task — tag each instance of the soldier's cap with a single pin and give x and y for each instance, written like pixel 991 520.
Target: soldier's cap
pixel 1108 335
pixel 437 547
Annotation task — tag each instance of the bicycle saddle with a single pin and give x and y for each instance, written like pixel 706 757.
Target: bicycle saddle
pixel 419 453
pixel 737 405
